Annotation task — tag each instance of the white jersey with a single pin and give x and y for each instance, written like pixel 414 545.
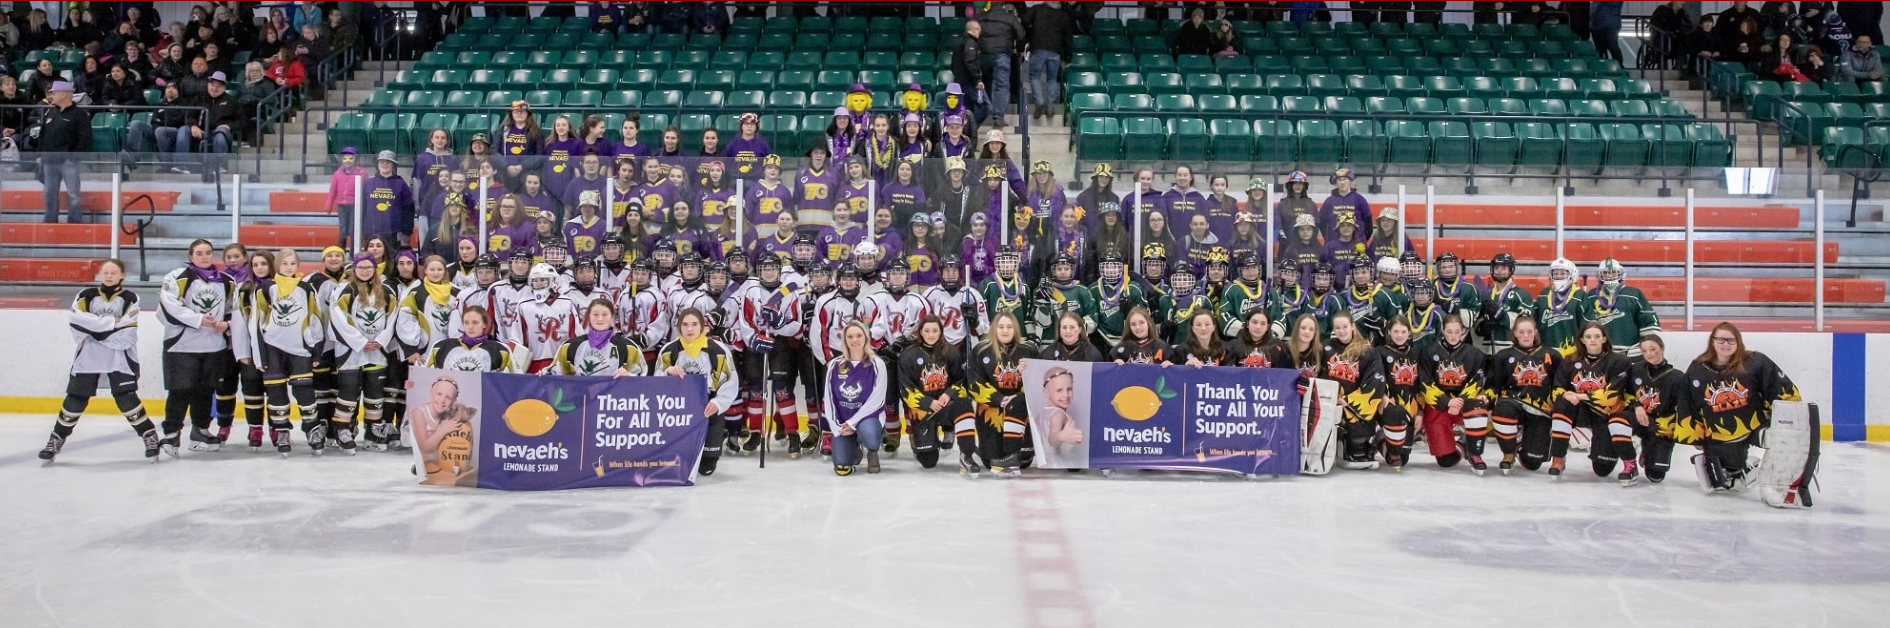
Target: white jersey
pixel 105 326
pixel 831 315
pixel 583 299
pixel 684 298
pixel 183 302
pixel 643 316
pixel 327 288
pixel 952 307
pixel 614 282
pixel 425 322
pixel 506 296
pixel 483 298
pixel 358 319
pixel 542 325
pixel 897 316
pixel 755 307
pixel 291 322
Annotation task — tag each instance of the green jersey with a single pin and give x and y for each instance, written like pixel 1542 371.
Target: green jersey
pixel 1052 301
pixel 1372 311
pixel 1559 316
pixel 1001 295
pixel 1624 313
pixel 1238 301
pixel 1172 312
pixel 1506 302
pixel 1112 307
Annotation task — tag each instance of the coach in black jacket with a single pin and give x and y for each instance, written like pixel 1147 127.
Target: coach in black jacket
pixel 65 129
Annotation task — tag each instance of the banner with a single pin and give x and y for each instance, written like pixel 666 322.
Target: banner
pixel 531 433
pixel 1128 416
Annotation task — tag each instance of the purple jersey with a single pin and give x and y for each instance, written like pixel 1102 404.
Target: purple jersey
pixel 427 167
pixel 814 194
pixel 891 245
pixel 692 239
pixel 856 199
pixel 721 245
pixel 561 162
pixel 765 202
pixel 747 155
pixel 389 204
pixel 923 262
pixel 603 147
pixel 836 245
pixel 655 196
pixel 778 245
pixel 712 206
pixel 584 238
pixel 1220 214
pixel 569 196
pixel 980 256
pixel 501 240
pixel 620 151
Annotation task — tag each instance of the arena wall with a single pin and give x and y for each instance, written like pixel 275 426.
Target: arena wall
pixel 1830 369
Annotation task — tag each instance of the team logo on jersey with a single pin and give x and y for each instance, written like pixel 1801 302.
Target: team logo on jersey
pixel 547 329
pixel 206 302
pixel 1530 374
pixel 468 363
pixel 286 312
pixel 369 321
pixel 441 318
pixel 1404 372
pixel 1726 398
pixel 1309 372
pixel 1650 398
pixel 1257 360
pixel 933 377
pixel 1010 378
pixel 1451 375
pixel 1341 369
pixel 1585 383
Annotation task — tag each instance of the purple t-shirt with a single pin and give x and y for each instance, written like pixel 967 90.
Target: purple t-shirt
pixel 747 155
pixel 561 162
pixel 540 202
pixel 980 256
pixel 1183 207
pixel 905 199
pixel 577 186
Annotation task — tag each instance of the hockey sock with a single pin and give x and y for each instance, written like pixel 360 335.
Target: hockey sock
pixel 140 423
pixel 1476 429
pixel 784 414
pixel 253 410
pixel 891 421
pixel 1622 433
pixel 965 430
pixel 223 410
pixel 1013 435
pixel 754 409
pixel 1396 426
pixel 66 421
pixel 1560 430
pixel 1507 430
pixel 176 410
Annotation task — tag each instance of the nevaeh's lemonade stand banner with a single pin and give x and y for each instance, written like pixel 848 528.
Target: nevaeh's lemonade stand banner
pixel 1127 416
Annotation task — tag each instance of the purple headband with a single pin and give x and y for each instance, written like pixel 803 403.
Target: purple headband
pixel 408 255
pixel 363 257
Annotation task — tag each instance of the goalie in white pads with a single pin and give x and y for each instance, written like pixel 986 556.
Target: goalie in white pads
pixel 1733 391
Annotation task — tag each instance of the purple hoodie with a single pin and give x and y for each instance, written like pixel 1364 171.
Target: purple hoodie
pixel 1354 202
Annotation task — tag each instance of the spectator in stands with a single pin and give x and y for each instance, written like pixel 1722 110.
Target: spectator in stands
pixel 1534 13
pixel 606 17
pixel 1730 19
pixel 90 80
pixel 267 46
pixel 968 68
pixel 1861 62
pixel 627 145
pixel 199 16
pixel 121 37
pixel 38 34
pixel 213 58
pixel 13 107
pixel 1156 9
pixel 197 83
pixel 170 65
pixel 1777 61
pixel 389 202
pixel 233 33
pixel 255 88
pixel 67 129
pixel 1226 41
pixel 1002 33
pixel 1578 21
pixel 198 38
pixel 1049 43
pixel 308 14
pixel 1604 24
pixel 1303 12
pixel 222 122
pixel 78 29
pixel 1776 17
pixel 9 34
pixel 478 152
pixel 1194 38
pixel 1670 24
pixel 1698 48
pixel 172 34
pixel 749 149
pixel 135 61
pixel 672 16
pixel 1428 12
pixel 41 79
pixel 120 89
pixel 342 32
pixel 1835 36
pixel 286 70
pixel 1744 44
pixel 709 17
pixel 1813 66
pixel 1486 12
pixel 285 32
pixel 1864 18
pixel 340 200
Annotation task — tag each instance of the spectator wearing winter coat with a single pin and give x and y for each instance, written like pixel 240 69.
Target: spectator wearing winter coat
pixel 1861 61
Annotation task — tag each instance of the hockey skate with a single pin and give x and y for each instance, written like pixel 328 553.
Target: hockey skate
pixel 344 438
pixel 281 438
pixel 152 446
pixel 732 443
pixel 255 438
pixel 1009 466
pixel 826 445
pixel 1628 476
pixel 1509 462
pixel 1360 462
pixel 53 445
pixel 892 443
pixel 201 440
pixel 376 438
pixel 968 465
pixel 706 466
pixel 751 443
pixel 1555 469
pixel 169 444
pixel 318 438
pixel 223 434
pixel 812 438
pixel 793 446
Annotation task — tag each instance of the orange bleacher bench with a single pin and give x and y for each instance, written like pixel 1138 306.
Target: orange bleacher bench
pixel 1582 216
pixel 1742 290
pixel 38 233
pixel 94 201
pixel 292 236
pixel 1477 250
pixel 52 269
pixel 298 202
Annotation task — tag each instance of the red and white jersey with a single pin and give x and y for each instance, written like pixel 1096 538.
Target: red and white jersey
pixel 897 316
pixel 831 315
pixel 644 316
pixel 613 282
pixel 670 282
pixel 951 306
pixel 785 303
pixel 505 297
pixel 684 298
pixel 583 299
pixel 735 331
pixel 543 325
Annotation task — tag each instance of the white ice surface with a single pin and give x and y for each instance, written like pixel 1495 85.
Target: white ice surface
pixel 241 539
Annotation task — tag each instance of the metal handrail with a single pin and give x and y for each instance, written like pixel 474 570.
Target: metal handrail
pixel 144 270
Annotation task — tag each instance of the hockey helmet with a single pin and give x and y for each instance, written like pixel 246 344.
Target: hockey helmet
pixel 486 261
pixel 949 260
pixel 766 261
pixel 1389 266
pixel 1611 272
pixel 848 271
pixel 1567 270
pixel 1503 260
pixel 1455 265
pixel 866 249
pixel 1247 260
pixel 542 273
pixel 1322 276
pixel 1420 287
pixel 720 268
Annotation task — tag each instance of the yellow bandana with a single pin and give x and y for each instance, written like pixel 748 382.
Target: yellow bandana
pixel 438 292
pixel 693 348
pixel 285 286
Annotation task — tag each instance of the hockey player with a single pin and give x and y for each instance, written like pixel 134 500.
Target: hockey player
pixel 428 314
pixel 261 272
pixel 1141 341
pixel 1507 302
pixel 1349 361
pixel 693 352
pixel 1254 345
pixel 363 323
pixel 1114 295
pixel 507 294
pixel 691 292
pixel 544 320
pixel 1621 309
pixel 285 337
pixel 1057 294
pixel 809 357
pixel 1246 294
pixel 996 376
pixel 485 275
pixel 1288 298
pixel 1459 298
pixel 1595 390
pixel 104 321
pixel 1730 405
pixel 1398 362
pixel 1561 306
pixel 1424 314
pixel 613 274
pixel 1198 340
pixel 867 258
pixel 769 317
pixel 899 311
pixel 474 350
pixel 600 350
pixel 1661 402
pixel 1522 380
pixel 1153 280
pixel 932 387
pixel 194 304
pixel 1391 282
pixel 1183 299
pixel 583 287
pixel 643 310
pixel 1071 343
pixel 1452 372
pixel 1323 302
pixel 326 282
pixel 833 311
pixel 1004 292
pixel 664 254
pixel 1370 306
pixel 960 311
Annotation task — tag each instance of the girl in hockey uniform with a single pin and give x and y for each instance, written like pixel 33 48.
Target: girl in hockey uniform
pixel 1660 393
pixel 285 333
pixel 194 303
pixel 997 384
pixel 1115 295
pixel 474 349
pixel 645 310
pixel 1424 314
pixel 932 387
pixel 238 265
pixel 1559 309
pixel 1522 378
pixel 856 393
pixel 1140 344
pixel 601 350
pixel 1303 348
pixel 428 314
pixel 1071 342
pixel 1507 302
pixel 544 319
pixel 1201 344
pixel 1247 293
pixel 1453 375
pixel 327 284
pixel 1730 404
pixel 1184 298
pixel 767 312
pixel 362 319
pixel 260 269
pixel 1254 345
pixel 1398 363
pixel 1361 388
pixel 695 353
pixel 692 292
pixel 1593 391
pixel 104 322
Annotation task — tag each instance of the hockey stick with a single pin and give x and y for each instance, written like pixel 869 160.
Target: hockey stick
pixel 768 409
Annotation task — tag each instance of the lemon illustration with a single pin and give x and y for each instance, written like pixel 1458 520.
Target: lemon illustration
pixel 1134 403
pixel 530 417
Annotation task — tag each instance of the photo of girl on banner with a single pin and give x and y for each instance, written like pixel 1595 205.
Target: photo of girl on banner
pixel 445 431
pixel 1059 424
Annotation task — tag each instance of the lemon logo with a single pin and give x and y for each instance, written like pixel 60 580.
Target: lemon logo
pixel 1135 403
pixel 382 206
pixel 531 418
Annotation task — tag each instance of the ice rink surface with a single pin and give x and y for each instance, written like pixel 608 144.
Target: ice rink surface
pixel 240 539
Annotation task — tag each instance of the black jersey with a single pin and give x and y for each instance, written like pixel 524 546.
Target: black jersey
pixel 1603 378
pixel 1451 372
pixel 1661 390
pixel 1083 351
pixel 925 373
pixel 1526 375
pixel 1263 354
pixel 1726 406
pixel 1153 351
pixel 994 374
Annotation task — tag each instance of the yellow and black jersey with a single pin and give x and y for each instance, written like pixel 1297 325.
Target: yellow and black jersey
pixel 579 356
pixel 1603 378
pixel 1661 390
pixel 1727 406
pixel 926 373
pixel 1266 354
pixel 994 374
pixel 1452 372
pixel 1361 380
pixel 1526 375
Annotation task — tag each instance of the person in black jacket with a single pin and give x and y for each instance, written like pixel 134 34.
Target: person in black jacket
pixel 120 89
pixel 66 129
pixel 1194 36
pixel 13 107
pixel 1049 34
pixel 968 68
pixel 222 122
pixel 162 131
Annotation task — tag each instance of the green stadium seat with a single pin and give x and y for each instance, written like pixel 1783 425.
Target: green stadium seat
pixel 1540 144
pixel 1548 49
pixel 787 100
pixel 1285 85
pixel 1569 67
pixel 562 79
pixel 1125 83
pixel 780 129
pixel 679 80
pixel 1507 107
pixel 1460 67
pixel 1087 102
pixel 1669 109
pixel 1405 47
pixel 1132 103
pixel 1099 138
pixel 1403 86
pixel 1119 62
pixel 1443 87
pixel 795 80
pixel 1495 144
pixel 1230 140
pixel 1483 87
pixel 1370 47
pixel 1323 85
pixel 662 99
pixel 1630 109
pixel 845 60
pixel 623 99
pixel 747 100
pixel 1847 114
pixel 1548 107
pixel 1668 145
pixel 430 99
pixel 1466 107
pixel 922 77
pixel 633 41
pixel 1803 92
pixel 1626 147
pixel 1803 122
pixel 733 60
pixel 379 98
pixel 504 99
pixel 1599 88
pixel 106 130
pixel 1295 46
pixel 1710 147
pixel 1143 138
pixel 541 98
pixel 690 126
pixel 485 80
pixel 1300 104
pixel 1155 62
pixel 522 79
pixel 1245 84
pixel 755 79
pixel 1425 106
pixel 1203 84
pixel 1409 142
pixel 668 41
pixel 1260 103
pixel 1497 67
pixel 350 129
pixel 1384 106
pixel 391 131
pixel 597 42
pixel 850 24
pixel 1345 64
pixel 1759 97
pixel 1159 83
pixel 1364 142
pixel 1365 85
pixel 473 59
pixel 1343 105
pixel 1589 108
pixel 587 98
pixel 447 80
pixel 1450 143
pixel 460 99
pixel 1271 64
pixel 827 99
pixel 1559 32
pixel 1329 46
pixel 1585 147
pixel 728 124
pixel 1188 139
pixel 1538 69
pixel 1309 64
pixel 716 80
pixel 1277 141
pixel 1194 63
pixel 1217 104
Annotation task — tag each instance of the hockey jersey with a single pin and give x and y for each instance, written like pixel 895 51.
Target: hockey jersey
pixel 359 317
pixel 1559 316
pixel 896 316
pixel 1624 314
pixel 1527 376
pixel 831 315
pixel 105 326
pixel 184 299
pixel 1052 301
pixel 284 317
pixel 643 315
pixel 453 354
pixel 542 325
pixel 712 360
pixel 578 356
pixel 1728 406
pixel 959 312
pixel 1113 304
